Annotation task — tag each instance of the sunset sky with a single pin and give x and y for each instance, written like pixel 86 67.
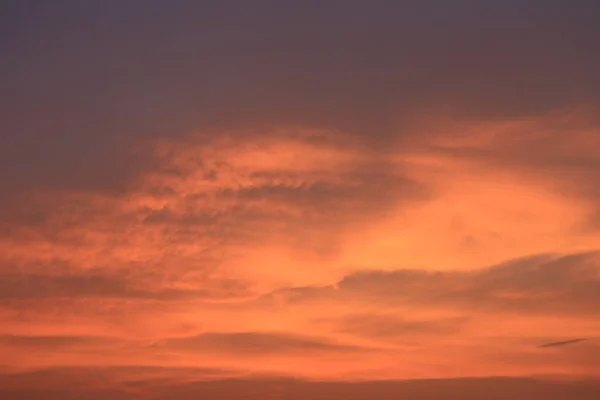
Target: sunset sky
pixel 308 200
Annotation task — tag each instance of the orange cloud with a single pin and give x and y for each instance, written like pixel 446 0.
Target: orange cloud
pixel 448 255
pixel 336 193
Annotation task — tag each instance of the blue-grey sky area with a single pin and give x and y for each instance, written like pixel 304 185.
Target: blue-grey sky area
pixel 81 79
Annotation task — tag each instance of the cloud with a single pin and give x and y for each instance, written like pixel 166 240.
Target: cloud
pixel 294 179
pixel 555 151
pixel 119 382
pixel 355 176
pixel 256 344
pixel 492 388
pixel 391 327
pixel 55 342
pixel 542 284
pixel 562 343
pixel 163 384
pixel 209 199
pixel 92 285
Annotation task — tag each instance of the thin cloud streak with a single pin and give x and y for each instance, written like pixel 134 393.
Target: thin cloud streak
pixel 562 343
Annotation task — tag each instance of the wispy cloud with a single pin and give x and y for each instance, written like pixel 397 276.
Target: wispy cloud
pixel 256 344
pixel 562 343
pixel 542 284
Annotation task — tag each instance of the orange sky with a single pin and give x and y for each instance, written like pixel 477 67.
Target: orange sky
pixel 295 252
pixel 254 199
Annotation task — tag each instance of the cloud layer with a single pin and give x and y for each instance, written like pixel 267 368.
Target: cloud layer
pixel 243 191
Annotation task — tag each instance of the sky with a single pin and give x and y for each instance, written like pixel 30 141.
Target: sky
pixel 299 199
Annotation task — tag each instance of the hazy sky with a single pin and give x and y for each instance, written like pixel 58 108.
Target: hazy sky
pixel 299 199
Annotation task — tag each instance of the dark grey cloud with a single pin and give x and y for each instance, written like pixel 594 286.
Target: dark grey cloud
pixel 254 344
pixel 31 286
pixel 129 382
pixel 88 385
pixel 77 94
pixel 66 394
pixel 562 343
pixel 75 375
pixel 366 189
pixel 464 389
pixel 310 209
pixel 395 327
pixel 56 342
pixel 539 284
pixel 45 286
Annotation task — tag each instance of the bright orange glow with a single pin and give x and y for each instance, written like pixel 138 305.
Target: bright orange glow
pixel 298 254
